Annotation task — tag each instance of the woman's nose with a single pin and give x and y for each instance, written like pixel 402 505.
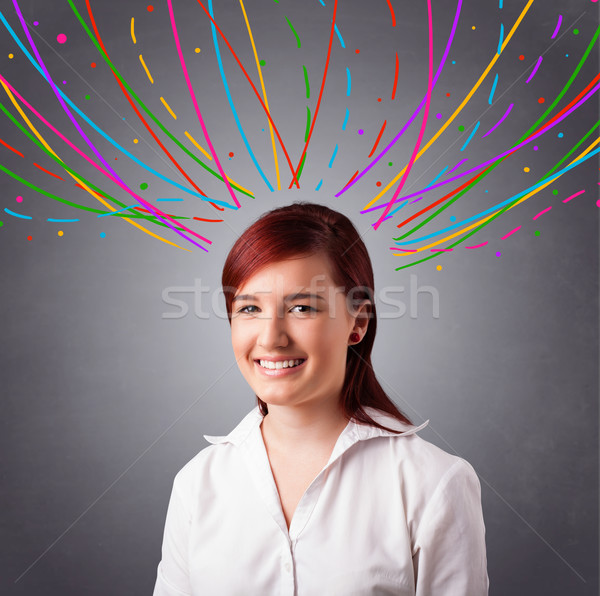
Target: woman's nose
pixel 273 332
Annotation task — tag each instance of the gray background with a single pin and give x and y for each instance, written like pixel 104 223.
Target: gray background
pixel 105 397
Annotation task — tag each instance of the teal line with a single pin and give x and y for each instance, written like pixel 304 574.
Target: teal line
pixel 333 156
pixel 346 119
pixel 501 37
pixel 339 36
pixel 471 136
pixel 349 87
pixel 17 214
pixel 61 220
pixel 493 89
pixel 319 185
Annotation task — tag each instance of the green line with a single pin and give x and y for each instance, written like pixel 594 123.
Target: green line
pixel 306 82
pixel 497 163
pixel 293 31
pixel 301 167
pixel 148 112
pixel 307 124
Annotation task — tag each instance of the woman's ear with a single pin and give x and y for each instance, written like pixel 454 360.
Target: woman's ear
pixel 361 318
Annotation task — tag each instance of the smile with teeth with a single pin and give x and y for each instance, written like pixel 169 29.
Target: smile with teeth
pixel 280 363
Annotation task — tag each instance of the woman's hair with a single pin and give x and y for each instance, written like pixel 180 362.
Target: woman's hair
pixel 304 229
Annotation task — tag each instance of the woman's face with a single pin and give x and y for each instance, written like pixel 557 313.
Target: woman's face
pixel 270 322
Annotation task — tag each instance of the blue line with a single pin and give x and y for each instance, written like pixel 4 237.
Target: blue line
pixel 322 3
pixel 61 220
pixel 230 100
pixel 102 133
pixel 333 156
pixel 169 199
pixel 17 214
pixel 119 211
pixel 471 136
pixel 437 177
pixel 349 87
pixel 321 182
pixel 504 203
pixel 493 89
pixel 501 38
pixel 346 119
pixel 500 3
pixel 398 208
pixel 339 36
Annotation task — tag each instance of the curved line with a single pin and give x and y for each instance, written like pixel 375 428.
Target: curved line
pixel 462 161
pixel 470 136
pixel 288 22
pixel 17 214
pixel 47 171
pixel 333 155
pixel 230 100
pixel 573 196
pixel 509 234
pixel 168 107
pixel 557 26
pixel 542 212
pixel 306 83
pixel 392 13
pixel 464 102
pixel 416 112
pixel 346 119
pixel 501 38
pixel 493 90
pixel 377 140
pixel 133 30
pixel 146 69
pixel 316 113
pixel 491 130
pixel 348 82
pixel 395 77
pixel 423 124
pixel 264 92
pixel 11 148
pixel 235 57
pixel 535 69
pixel 337 32
pixel 195 103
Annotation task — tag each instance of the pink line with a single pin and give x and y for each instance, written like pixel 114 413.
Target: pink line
pixel 511 232
pixel 557 26
pixel 542 212
pixel 196 107
pixel 460 163
pixel 491 130
pixel 403 249
pixel 478 246
pixel 575 195
pixel 535 69
pixel 423 125
pixel 441 249
pixel 152 208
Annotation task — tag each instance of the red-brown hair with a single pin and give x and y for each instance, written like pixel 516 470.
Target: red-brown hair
pixel 304 229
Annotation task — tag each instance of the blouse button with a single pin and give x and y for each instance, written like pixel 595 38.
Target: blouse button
pixel 287 567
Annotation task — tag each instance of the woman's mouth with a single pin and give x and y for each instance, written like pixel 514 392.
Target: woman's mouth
pixel 280 367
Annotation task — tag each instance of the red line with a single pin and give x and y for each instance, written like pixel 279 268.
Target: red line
pixel 154 214
pixel 393 15
pixel 395 77
pixel 353 177
pixel 312 124
pixel 203 219
pixel 376 142
pixel 173 160
pixel 11 148
pixel 255 91
pixel 47 172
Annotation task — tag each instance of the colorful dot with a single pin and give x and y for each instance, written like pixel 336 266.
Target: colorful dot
pixel 144 185
pixel 64 82
pixel 29 238
pixel 447 94
pixel 61 38
pixel 537 232
pixel 453 218
pixel 438 116
pixel 461 128
pixel 535 147
pixel 231 154
pixel 521 57
pixel 390 164
pixel 150 8
pixel 19 199
pixel 262 62
pixel 498 253
pixel 35 23
pixel 378 183
pixel 357 51
pixel 560 135
pixel 102 234
pixel 197 50
pixel 361 131
pixel 453 61
pixel 575 31
pixel 439 267
pixel 93 65
pixel 473 27
pixel 526 169
pixel 60 232
pixel 598 203
pixel 486 190
pixel 379 99
pixel 11 56
pixel 541 100
pixel 135 141
pixel 87 97
pixel 566 55
pixel 555 191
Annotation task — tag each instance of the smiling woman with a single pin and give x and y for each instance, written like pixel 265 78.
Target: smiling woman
pixel 325 486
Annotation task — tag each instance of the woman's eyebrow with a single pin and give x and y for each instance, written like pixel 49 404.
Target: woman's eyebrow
pixel 289 297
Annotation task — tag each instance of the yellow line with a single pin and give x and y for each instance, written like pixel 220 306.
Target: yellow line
pixel 168 108
pixel 482 221
pixel 146 69
pixel 462 105
pixel 83 184
pixel 133 31
pixel 193 140
pixel 264 92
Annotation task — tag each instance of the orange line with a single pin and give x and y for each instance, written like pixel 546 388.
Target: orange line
pixel 377 140
pixel 47 172
pixel 11 148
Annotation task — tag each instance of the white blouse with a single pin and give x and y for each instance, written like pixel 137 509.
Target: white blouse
pixel 388 514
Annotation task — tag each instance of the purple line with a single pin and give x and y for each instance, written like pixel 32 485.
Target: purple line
pixel 494 159
pixel 84 136
pixel 535 68
pixel 542 213
pixel 557 26
pixel 462 161
pixel 416 112
pixel 491 130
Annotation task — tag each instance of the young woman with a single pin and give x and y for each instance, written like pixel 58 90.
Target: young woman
pixel 324 488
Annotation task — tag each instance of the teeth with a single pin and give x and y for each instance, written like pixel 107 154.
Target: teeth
pixel 280 364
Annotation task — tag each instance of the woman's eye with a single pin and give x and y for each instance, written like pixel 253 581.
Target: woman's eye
pixel 308 308
pixel 243 309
